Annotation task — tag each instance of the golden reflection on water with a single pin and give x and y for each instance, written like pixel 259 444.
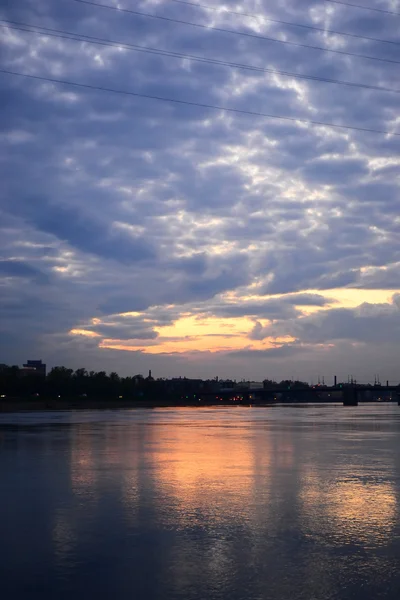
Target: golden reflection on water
pixel 215 495
pixel 208 477
pixel 363 511
pixel 207 472
pixel 350 510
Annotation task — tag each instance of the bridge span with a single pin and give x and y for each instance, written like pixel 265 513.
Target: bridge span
pixel 350 395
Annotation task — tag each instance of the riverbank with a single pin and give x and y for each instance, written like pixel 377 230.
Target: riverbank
pixel 17 404
pixel 28 404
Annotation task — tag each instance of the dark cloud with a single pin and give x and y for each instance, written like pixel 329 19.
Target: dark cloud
pixel 335 171
pixel 308 300
pixel 267 309
pixel 274 352
pixel 83 233
pixel 122 303
pixel 126 333
pixel 16 268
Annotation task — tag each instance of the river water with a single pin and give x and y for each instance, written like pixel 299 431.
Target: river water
pixel 288 503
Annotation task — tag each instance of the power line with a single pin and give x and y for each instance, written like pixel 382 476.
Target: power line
pixel 243 33
pixel 263 17
pixel 380 10
pixel 77 37
pixel 196 104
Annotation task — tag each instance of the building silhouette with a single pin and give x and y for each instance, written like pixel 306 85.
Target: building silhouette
pixel 34 367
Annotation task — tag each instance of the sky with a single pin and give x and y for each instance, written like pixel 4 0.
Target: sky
pixel 139 233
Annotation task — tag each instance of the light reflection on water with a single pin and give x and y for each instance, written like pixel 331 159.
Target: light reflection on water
pixel 201 503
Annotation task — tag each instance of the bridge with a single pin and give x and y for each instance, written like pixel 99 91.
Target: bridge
pixel 350 395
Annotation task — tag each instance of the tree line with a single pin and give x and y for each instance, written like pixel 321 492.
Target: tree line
pixel 64 382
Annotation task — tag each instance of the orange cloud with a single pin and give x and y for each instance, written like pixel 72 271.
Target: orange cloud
pixel 193 333
pixel 84 332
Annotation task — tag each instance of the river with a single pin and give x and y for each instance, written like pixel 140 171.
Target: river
pixel 280 503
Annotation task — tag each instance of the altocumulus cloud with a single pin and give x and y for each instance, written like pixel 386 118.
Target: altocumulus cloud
pixel 208 239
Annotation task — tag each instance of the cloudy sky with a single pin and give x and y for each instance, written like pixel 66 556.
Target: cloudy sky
pixel 139 233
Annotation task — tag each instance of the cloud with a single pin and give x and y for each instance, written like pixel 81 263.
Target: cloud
pixel 117 204
pixel 274 352
pixel 125 328
pixel 333 171
pixel 308 300
pixel 16 268
pixel 367 323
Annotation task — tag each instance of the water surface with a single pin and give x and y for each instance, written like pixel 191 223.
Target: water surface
pixel 221 503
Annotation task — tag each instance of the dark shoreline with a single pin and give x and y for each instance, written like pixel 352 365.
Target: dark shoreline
pixel 20 405
pixel 17 404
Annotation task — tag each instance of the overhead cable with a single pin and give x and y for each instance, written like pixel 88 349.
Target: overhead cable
pixel 234 32
pixel 78 37
pixel 197 104
pixel 262 17
pixel 362 7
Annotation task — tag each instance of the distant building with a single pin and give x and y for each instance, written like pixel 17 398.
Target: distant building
pixel 34 367
pixel 227 383
pixel 250 385
pixel 255 385
pixel 183 385
pixel 150 377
